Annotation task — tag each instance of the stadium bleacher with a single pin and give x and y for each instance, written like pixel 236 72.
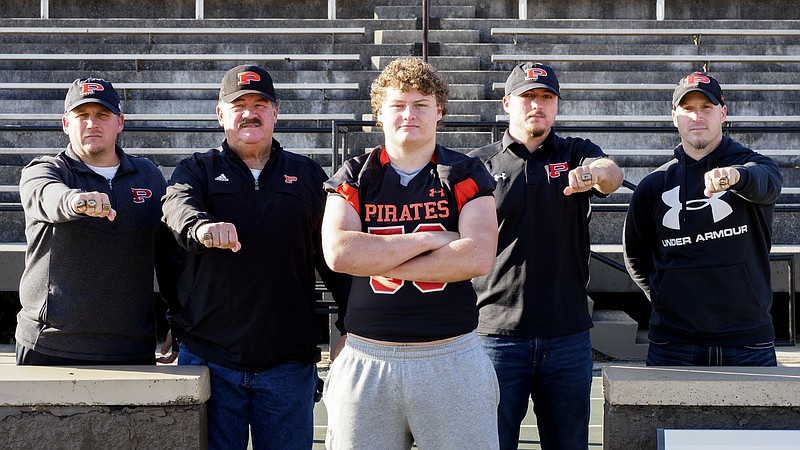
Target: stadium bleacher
pixel 617 67
pixel 617 62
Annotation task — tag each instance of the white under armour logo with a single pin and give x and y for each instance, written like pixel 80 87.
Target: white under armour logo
pixel 222 177
pixel 719 208
pixel 501 176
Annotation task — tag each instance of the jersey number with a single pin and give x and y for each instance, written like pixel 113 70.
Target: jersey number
pixel 385 285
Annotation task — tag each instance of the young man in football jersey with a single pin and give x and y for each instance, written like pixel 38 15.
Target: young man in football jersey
pixel 413 222
pixel 697 240
pixel 534 317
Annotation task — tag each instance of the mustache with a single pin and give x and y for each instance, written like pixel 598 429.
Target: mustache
pixel 245 122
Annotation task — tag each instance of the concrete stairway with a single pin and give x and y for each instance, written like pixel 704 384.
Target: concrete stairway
pixel 615 334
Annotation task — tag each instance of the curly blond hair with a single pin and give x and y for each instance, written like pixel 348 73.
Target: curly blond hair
pixel 405 73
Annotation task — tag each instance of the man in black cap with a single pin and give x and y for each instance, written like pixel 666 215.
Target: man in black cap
pixel 249 214
pixel 534 317
pixel 91 217
pixel 697 240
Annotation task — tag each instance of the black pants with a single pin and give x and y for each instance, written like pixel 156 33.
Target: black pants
pixel 28 357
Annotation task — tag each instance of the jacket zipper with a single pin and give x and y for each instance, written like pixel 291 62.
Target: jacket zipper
pixel 111 199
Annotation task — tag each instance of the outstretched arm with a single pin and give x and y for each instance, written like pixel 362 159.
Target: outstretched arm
pixel 602 174
pixel 758 181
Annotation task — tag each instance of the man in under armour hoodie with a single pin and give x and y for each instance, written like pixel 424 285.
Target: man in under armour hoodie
pixel 697 240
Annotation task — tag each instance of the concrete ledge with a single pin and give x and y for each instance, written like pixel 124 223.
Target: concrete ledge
pixel 121 407
pixel 702 386
pixel 103 385
pixel 640 400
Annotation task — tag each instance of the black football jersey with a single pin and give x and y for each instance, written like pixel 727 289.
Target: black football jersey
pixel 406 310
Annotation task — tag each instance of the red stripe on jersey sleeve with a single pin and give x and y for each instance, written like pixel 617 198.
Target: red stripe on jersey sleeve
pixel 350 194
pixel 465 191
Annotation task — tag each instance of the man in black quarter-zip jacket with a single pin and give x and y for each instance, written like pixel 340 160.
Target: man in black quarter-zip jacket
pixel 249 215
pixel 91 222
pixel 697 240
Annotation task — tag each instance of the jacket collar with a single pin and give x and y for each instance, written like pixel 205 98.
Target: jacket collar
pixel 125 164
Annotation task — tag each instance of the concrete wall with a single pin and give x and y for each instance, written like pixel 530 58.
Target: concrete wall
pixel 85 427
pixel 635 426
pixel 731 9
pixel 585 9
pixel 106 9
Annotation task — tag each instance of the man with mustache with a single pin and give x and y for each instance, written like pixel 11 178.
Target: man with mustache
pixel 697 240
pixel 534 318
pixel 249 215
pixel 91 223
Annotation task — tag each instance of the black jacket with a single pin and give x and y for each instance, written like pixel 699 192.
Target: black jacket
pixel 253 309
pixel 87 289
pixel 704 263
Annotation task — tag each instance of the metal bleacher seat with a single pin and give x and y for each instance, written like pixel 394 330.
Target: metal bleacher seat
pixel 706 60
pixel 626 118
pixel 190 57
pixel 694 33
pixel 499 86
pixel 176 117
pixel 152 32
pixel 181 86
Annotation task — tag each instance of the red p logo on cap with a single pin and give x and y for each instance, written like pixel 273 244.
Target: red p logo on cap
pixel 90 88
pixel 695 78
pixel 534 73
pixel 247 77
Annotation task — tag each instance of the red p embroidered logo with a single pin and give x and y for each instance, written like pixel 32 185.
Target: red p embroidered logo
pixel 288 179
pixel 140 194
pixel 90 88
pixel 534 73
pixel 696 78
pixel 247 77
pixel 556 169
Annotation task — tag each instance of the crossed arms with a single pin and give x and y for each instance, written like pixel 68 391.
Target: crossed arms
pixel 437 256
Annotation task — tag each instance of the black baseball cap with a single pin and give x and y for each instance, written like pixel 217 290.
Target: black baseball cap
pixel 700 82
pixel 246 79
pixel 92 90
pixel 527 76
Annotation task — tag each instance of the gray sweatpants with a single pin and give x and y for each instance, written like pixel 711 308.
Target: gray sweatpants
pixel 441 396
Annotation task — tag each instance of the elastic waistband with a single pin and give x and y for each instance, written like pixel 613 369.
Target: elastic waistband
pixel 369 349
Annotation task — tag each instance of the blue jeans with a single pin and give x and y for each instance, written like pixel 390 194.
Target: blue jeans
pixel 277 405
pixel 676 354
pixel 556 373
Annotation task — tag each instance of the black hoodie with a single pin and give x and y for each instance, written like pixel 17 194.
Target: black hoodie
pixel 704 262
